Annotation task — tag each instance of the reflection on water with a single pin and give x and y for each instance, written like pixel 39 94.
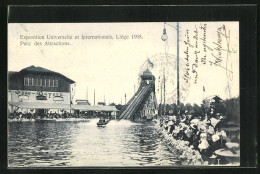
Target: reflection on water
pixel 83 144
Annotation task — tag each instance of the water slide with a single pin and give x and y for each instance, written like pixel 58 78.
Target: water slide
pixel 135 102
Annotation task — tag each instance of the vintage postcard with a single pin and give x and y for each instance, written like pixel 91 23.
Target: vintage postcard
pixel 133 94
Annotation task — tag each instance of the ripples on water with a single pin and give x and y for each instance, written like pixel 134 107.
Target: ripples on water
pixel 83 144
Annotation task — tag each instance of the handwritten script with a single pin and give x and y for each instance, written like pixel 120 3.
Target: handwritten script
pixel 201 49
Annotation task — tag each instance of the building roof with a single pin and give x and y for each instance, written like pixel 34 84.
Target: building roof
pixel 82 102
pixel 101 103
pixel 39 69
pixel 215 97
pixel 119 107
pixel 94 108
pixel 147 72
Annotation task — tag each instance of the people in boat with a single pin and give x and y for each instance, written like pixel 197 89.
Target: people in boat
pixel 102 120
pixel 20 115
pixel 50 115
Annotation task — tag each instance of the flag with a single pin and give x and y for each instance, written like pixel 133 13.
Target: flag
pixel 203 89
pixel 150 63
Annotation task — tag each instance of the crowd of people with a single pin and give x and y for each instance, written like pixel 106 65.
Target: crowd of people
pixel 196 139
pixel 48 115
pixel 19 115
pixel 55 115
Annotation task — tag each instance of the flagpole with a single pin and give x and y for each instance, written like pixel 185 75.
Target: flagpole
pixel 203 99
pixel 178 81
pixel 164 91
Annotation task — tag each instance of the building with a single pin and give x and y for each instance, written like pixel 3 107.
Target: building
pixel 95 110
pixel 213 104
pixel 82 102
pixel 212 101
pixel 39 90
pixel 150 106
pixel 102 103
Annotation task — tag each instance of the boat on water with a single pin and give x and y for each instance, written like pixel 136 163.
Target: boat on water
pixel 102 122
pixel 149 119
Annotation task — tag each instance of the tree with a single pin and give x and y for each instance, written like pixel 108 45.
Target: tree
pixel 182 108
pixel 232 110
pixel 228 89
pixel 188 108
pixel 197 110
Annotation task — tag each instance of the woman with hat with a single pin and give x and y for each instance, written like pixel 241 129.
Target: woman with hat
pixel 194 139
pixel 204 146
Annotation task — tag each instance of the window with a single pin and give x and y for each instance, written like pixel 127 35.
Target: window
pixel 43 82
pixel 30 81
pixel 26 81
pixel 56 83
pixel 40 82
pixel 47 82
pixel 51 83
pixel 35 82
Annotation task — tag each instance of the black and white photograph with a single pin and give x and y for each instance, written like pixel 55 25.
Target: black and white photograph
pixel 123 94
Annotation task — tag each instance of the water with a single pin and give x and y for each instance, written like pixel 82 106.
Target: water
pixel 83 144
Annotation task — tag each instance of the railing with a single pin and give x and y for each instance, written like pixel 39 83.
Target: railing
pixel 137 94
pixel 137 103
pixel 130 109
pixel 129 102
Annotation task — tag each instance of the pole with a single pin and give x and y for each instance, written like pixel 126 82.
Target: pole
pixel 94 97
pixel 87 94
pixel 164 91
pixel 161 101
pixel 70 96
pixel 178 81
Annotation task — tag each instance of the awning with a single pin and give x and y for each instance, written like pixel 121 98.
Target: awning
pixel 94 108
pixel 32 105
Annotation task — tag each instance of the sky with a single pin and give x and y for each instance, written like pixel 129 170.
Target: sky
pixel 112 66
